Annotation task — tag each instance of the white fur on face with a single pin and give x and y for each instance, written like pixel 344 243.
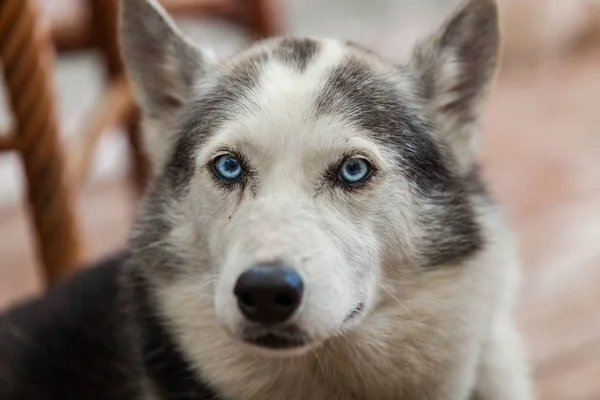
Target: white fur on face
pixel 293 216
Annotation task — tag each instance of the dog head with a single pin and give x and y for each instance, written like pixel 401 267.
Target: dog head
pixel 301 185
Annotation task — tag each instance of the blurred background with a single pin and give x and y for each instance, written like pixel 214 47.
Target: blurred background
pixel 70 173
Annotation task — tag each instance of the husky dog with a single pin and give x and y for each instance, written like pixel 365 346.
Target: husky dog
pixel 316 229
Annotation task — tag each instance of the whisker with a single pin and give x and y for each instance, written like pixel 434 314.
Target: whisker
pixel 396 299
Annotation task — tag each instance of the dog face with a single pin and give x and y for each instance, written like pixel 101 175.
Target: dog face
pixel 303 186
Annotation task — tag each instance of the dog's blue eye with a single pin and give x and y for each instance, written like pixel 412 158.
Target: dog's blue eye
pixel 354 170
pixel 228 167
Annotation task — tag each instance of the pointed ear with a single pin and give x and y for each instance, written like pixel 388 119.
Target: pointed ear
pixel 455 68
pixel 161 62
pixel 163 67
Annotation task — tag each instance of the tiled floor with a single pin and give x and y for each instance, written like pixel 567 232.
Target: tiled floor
pixel 542 157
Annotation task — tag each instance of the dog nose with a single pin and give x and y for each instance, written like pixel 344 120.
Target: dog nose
pixel 269 294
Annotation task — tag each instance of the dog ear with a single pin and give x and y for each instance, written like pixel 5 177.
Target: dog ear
pixel 162 64
pixel 455 67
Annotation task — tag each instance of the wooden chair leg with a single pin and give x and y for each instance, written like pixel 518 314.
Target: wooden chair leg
pixel 25 56
pixel 105 23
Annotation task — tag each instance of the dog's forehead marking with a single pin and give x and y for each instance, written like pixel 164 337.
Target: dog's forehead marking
pixel 291 74
pixel 283 87
pixel 282 117
pixel 296 52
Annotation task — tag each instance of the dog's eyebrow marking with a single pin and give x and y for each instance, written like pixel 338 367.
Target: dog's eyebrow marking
pixel 354 91
pixel 297 53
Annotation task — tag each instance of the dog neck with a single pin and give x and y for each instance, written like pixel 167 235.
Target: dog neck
pixel 166 372
pixel 388 356
pixel 376 362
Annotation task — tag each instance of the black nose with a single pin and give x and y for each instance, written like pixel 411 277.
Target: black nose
pixel 269 294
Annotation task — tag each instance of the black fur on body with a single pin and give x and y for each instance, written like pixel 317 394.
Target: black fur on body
pixel 89 338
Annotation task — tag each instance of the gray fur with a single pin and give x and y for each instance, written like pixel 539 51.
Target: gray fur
pixel 297 52
pixel 163 68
